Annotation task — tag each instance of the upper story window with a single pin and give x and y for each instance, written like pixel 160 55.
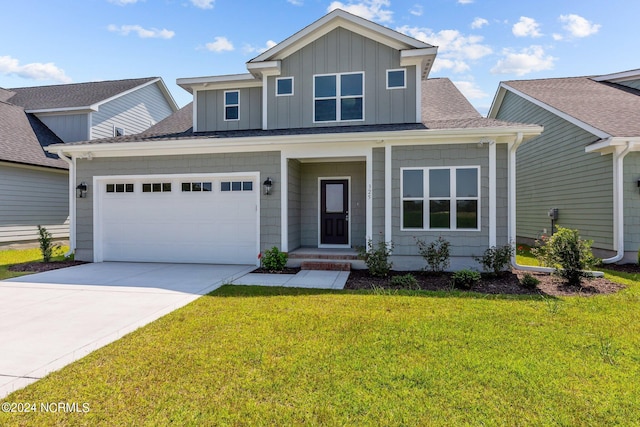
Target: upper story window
pixel 118 131
pixel 231 105
pixel 284 86
pixel 440 198
pixel 396 79
pixel 338 97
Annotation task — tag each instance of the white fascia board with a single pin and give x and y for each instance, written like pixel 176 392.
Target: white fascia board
pixel 62 111
pixel 618 77
pixel 595 131
pixel 497 102
pixel 52 169
pixel 219 82
pixel 607 146
pixel 267 68
pixel 405 54
pixel 269 143
pixel 339 18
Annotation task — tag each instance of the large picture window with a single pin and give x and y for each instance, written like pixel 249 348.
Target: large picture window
pixel 440 198
pixel 338 97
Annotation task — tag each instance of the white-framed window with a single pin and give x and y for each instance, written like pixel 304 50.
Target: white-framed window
pixel 236 186
pixel 284 86
pixel 119 188
pixel 440 198
pixel 118 131
pixel 338 97
pixel 156 187
pixel 396 79
pixel 196 186
pixel 231 105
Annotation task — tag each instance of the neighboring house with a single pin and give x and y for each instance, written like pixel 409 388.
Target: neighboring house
pixel 335 137
pixel 586 163
pixel 34 185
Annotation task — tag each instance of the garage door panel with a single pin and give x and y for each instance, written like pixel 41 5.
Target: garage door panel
pixel 176 226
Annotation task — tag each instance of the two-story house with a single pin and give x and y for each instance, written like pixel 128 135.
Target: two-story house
pixel 334 137
pixel 34 184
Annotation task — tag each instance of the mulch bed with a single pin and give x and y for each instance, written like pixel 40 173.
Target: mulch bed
pixel 507 283
pixel 39 267
pixel 286 270
pixel 624 268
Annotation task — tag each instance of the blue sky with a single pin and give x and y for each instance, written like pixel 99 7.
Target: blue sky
pixel 481 42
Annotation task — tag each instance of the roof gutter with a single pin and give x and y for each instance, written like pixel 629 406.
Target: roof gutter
pixel 618 201
pixel 513 147
pixel 72 202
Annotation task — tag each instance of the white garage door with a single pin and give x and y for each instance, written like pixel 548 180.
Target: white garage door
pixel 194 219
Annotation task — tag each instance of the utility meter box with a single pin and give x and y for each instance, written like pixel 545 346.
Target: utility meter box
pixel 553 214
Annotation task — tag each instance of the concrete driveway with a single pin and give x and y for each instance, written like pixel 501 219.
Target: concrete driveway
pixel 51 319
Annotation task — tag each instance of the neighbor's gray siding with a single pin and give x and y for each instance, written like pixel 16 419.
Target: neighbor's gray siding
pixel 32 197
pixel 267 163
pixel 68 127
pixel 378 194
pixel 631 203
pixel 635 84
pixel 294 208
pixel 310 172
pixel 210 110
pixel 342 51
pixel 135 112
pixel 553 171
pixel 463 243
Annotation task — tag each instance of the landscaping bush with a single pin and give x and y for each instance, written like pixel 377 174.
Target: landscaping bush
pixel 406 281
pixel 274 260
pixel 436 254
pixel 568 254
pixel 529 281
pixel 46 244
pixel 496 260
pixel 377 257
pixel 465 279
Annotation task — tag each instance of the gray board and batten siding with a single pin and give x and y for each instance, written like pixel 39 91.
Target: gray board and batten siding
pixel 342 51
pixel 631 204
pixel 554 171
pixel 32 197
pixel 634 84
pixel 210 110
pixel 134 112
pixel 68 127
pixel 267 163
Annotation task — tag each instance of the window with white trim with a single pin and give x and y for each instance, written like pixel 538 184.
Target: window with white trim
pixel 396 79
pixel 236 186
pixel 196 186
pixel 440 198
pixel 118 131
pixel 231 105
pixel 119 188
pixel 338 97
pixel 156 187
pixel 284 86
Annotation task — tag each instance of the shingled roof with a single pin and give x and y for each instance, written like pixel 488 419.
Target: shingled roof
pixel 23 136
pixel 612 108
pixel 76 95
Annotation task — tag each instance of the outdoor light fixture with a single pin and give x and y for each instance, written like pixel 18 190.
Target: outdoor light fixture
pixel 639 184
pixel 81 190
pixel 267 185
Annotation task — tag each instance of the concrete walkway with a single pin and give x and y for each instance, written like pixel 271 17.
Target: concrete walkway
pixel 303 279
pixel 54 318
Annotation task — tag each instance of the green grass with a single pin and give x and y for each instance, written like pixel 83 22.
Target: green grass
pixel 19 256
pixel 276 356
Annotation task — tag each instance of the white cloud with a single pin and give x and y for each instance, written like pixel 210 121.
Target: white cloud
pixel 528 60
pixel 470 90
pixel 33 71
pixel 296 2
pixel 416 10
pixel 372 10
pixel 465 1
pixel 123 2
pixel 247 49
pixel 203 4
pixel 557 37
pixel 578 26
pixel 454 49
pixel 144 33
pixel 526 27
pixel 220 44
pixel 479 23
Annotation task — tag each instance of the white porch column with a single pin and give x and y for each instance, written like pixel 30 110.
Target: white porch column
pixel 387 194
pixel 284 202
pixel 492 194
pixel 369 201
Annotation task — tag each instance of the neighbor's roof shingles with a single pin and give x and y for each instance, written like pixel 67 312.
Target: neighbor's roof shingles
pixel 72 95
pixel 611 108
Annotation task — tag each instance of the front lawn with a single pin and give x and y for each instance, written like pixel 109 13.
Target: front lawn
pixel 276 356
pixel 20 256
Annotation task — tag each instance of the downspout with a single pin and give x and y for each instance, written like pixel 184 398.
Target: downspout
pixel 618 203
pixel 72 202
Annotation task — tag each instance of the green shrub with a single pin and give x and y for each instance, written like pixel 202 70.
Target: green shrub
pixel 529 281
pixel 377 257
pixel 436 254
pixel 406 281
pixel 638 256
pixel 496 260
pixel 274 260
pixel 465 279
pixel 47 247
pixel 568 254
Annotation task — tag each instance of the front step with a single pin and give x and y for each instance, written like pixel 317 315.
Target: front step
pixel 325 266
